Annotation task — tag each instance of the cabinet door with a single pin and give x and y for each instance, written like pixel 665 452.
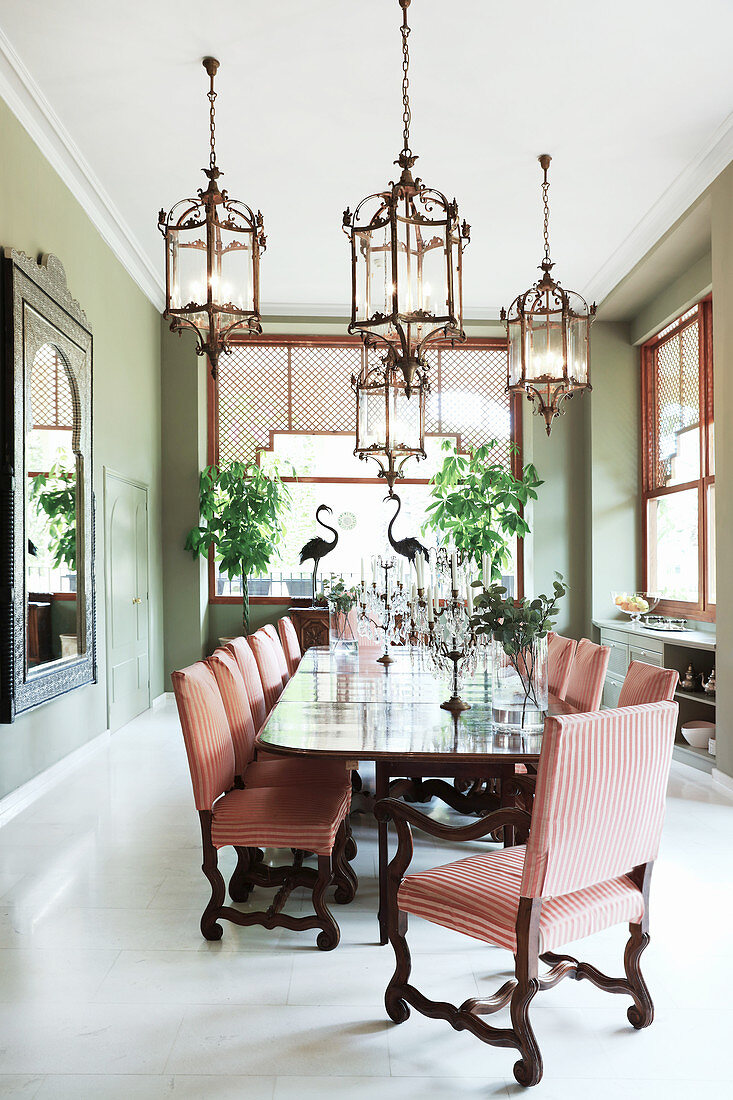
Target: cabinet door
pixel 648 656
pixel 618 662
pixel 612 690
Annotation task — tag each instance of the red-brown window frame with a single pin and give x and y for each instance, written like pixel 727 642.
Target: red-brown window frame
pixel 346 341
pixel 703 610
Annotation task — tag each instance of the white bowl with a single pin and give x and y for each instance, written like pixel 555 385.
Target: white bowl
pixel 698 733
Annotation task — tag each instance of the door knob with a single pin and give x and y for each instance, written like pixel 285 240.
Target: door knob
pixel 136 599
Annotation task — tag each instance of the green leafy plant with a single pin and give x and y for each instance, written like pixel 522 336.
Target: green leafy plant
pixel 517 625
pixel 339 597
pixel 477 504
pixel 55 495
pixel 241 508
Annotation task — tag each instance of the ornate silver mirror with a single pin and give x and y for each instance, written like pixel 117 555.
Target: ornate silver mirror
pixel 47 623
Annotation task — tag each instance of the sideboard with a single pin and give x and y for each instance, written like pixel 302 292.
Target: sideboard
pixel 668 649
pixel 311 625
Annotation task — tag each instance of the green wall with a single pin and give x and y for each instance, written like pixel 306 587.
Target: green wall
pixel 39 214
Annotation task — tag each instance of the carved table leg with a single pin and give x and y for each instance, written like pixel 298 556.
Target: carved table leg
pixel 382 791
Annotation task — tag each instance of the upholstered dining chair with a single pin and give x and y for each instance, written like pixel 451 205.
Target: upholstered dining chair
pixel 587 865
pixel 245 659
pixel 301 818
pixel 267 666
pixel 290 643
pixel 271 631
pixel 645 683
pixel 585 683
pixel 560 655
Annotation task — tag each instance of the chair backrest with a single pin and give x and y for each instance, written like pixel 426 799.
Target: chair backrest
pixel 290 643
pixel 245 658
pixel 645 683
pixel 599 801
pixel 271 631
pixel 233 692
pixel 205 733
pixel 560 655
pixel 264 654
pixel 585 684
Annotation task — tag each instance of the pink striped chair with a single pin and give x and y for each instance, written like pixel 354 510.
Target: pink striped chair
pixel 585 685
pixel 645 683
pixel 560 655
pixel 299 818
pixel 587 865
pixel 267 666
pixel 248 667
pixel 267 770
pixel 290 643
pixel 272 634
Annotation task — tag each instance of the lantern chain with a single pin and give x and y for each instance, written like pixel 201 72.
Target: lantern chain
pixel 211 94
pixel 406 116
pixel 546 204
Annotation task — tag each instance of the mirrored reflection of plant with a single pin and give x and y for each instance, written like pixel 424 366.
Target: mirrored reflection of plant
pixel 517 625
pixel 55 496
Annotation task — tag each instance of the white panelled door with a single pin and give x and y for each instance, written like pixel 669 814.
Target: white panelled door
pixel 126 569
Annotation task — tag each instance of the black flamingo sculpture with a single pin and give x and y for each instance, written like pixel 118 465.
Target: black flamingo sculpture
pixel 410 547
pixel 317 547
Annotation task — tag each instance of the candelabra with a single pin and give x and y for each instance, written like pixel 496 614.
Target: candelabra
pixel 383 606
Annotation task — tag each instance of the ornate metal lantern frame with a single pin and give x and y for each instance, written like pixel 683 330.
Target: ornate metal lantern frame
pixel 548 330
pixel 390 423
pixel 217 242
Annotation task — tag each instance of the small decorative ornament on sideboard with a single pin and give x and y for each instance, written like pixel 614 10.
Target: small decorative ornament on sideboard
pixel 709 685
pixel 690 682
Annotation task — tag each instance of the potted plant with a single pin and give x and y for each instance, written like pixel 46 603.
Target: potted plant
pixel 477 505
pixel 241 508
pixel 55 494
pixel 341 603
pixel 518 630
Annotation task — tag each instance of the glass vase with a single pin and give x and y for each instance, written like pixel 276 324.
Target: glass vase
pixel 519 688
pixel 343 633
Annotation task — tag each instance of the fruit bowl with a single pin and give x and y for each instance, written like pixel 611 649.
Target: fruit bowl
pixel 635 604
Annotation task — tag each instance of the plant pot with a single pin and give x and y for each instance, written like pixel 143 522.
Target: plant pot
pixel 519 688
pixel 342 633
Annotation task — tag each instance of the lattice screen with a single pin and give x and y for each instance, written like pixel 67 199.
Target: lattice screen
pixel 51 399
pixel 302 388
pixel 677 392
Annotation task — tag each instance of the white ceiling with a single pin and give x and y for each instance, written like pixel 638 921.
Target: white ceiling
pixel 632 99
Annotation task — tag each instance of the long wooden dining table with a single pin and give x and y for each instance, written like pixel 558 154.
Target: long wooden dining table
pixel 356 709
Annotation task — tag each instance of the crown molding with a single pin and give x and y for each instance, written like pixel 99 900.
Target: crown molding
pixel 29 105
pixel 689 185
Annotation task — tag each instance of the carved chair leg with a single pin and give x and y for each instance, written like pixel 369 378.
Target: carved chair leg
pixel 528 1070
pixel 344 874
pixel 239 887
pixel 210 866
pixel 330 935
pixel 641 1013
pixel 397 1007
pixel 350 848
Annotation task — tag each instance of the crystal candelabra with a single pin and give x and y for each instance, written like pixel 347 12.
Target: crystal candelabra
pixel 383 606
pixel 448 639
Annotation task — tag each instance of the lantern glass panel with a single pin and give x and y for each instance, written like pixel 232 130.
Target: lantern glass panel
pixel 545 345
pixel 187 269
pixel 578 349
pixel 233 272
pixel 404 419
pixel 372 426
pixel 515 332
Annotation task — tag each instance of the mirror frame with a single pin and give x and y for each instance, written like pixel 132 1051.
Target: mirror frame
pixel 37 308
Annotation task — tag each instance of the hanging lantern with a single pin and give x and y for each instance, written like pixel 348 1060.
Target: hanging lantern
pixel 390 424
pixel 548 329
pixel 212 258
pixel 406 271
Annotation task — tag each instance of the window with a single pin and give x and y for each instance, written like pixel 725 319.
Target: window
pixel 678 512
pixel 291 398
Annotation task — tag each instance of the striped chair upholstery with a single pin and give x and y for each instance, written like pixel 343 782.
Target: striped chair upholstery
pixel 248 667
pixel 290 643
pixel 268 668
pixel 588 672
pixel 272 634
pixel 282 817
pixel 560 655
pixel 269 770
pixel 645 683
pixel 205 733
pixel 233 692
pixel 598 814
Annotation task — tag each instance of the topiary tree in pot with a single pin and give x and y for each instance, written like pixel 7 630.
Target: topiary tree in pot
pixel 241 508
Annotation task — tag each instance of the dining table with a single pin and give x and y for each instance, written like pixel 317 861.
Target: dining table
pixel 355 709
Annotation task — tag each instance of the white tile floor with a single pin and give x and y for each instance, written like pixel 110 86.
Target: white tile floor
pixel 107 989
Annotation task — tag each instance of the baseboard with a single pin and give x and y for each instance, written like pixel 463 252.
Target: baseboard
pixel 17 801
pixel 722 779
pixel 162 700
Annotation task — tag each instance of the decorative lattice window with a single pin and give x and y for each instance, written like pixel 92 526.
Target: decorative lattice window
pixel 51 398
pixel 679 472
